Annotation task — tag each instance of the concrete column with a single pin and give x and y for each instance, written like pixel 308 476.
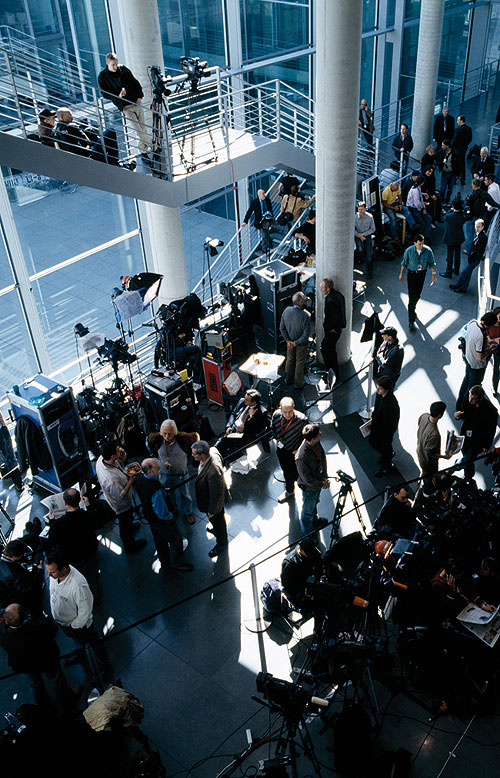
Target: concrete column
pixel 137 33
pixel 338 66
pixel 429 48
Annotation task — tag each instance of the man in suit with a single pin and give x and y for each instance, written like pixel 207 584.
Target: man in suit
pixel 403 142
pixel 333 324
pixel 460 142
pixel 211 492
pixel 479 423
pixel 476 254
pixel 262 210
pixel 484 165
pixel 444 127
pixel 449 165
pixel 384 423
pixel 248 420
pixel 453 238
pixel 365 122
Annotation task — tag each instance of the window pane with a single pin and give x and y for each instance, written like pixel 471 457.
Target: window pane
pixel 192 28
pixel 56 221
pixel 6 277
pixel 82 293
pixel 369 13
pixel 17 361
pixel 269 27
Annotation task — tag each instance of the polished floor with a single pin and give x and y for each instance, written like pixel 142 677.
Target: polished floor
pixel 189 645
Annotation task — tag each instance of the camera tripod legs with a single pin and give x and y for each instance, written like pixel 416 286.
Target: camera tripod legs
pixel 287 739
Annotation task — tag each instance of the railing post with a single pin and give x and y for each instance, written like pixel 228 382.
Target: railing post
pixel 401 163
pixel 464 82
pixel 16 96
pixel 101 126
pixel 398 115
pixel 259 110
pixel 278 111
pixel 448 92
pixel 295 135
pixel 376 158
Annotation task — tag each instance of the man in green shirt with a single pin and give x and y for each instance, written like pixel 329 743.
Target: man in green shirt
pixel 416 260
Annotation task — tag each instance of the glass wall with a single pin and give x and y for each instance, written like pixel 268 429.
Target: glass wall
pixel 192 28
pixel 271 27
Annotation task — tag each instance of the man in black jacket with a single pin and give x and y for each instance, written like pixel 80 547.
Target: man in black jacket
pixel 118 84
pixel 333 324
pixel 313 477
pixel 479 424
pixel 460 142
pixel 301 563
pixel 69 136
pixel 247 422
pixel 33 651
pixel 484 165
pixel 476 254
pixel 444 127
pixel 390 355
pixel 403 142
pixel 453 238
pixel 262 210
pixel 449 165
pixel 476 209
pixel 384 423
pixel 17 583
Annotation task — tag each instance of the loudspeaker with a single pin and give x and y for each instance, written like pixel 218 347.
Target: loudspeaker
pixel 276 283
pixel 171 398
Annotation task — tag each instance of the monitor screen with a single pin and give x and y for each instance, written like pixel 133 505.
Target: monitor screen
pixel 287 279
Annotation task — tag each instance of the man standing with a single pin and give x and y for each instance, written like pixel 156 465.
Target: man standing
pixel 477 353
pixel 365 122
pixel 118 84
pixel 429 439
pixel 364 228
pixel 384 423
pixel 493 189
pixel 116 487
pixel 390 355
pixel 158 511
pixel 447 160
pixel 307 232
pixel 333 324
pixel 453 238
pixel 476 207
pixel 460 142
pixel 403 142
pixel 71 604
pixel 416 260
pixel 211 492
pixel 295 328
pixel 476 254
pixel 262 210
pixel 287 425
pixel 73 534
pixel 17 584
pixel 479 425
pixel 444 127
pixel 33 651
pixel 312 469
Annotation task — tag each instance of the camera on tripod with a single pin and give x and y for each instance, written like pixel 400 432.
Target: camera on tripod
pixel 346 479
pixel 283 694
pixel 159 82
pixel 194 70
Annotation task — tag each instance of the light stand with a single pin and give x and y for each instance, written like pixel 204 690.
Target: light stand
pixel 210 246
pixel 81 332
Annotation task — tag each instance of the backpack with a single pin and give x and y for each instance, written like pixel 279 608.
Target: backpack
pixel 273 600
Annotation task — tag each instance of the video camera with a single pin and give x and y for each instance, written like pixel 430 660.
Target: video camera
pixel 283 694
pixel 159 82
pixel 194 70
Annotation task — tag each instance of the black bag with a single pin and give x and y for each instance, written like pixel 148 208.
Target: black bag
pixel 285 218
pixel 273 600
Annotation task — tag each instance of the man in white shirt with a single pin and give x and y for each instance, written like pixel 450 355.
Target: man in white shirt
pixel 494 193
pixel 116 487
pixel 477 353
pixel 71 604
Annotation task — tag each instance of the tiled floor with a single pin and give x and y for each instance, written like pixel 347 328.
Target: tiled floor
pixel 193 658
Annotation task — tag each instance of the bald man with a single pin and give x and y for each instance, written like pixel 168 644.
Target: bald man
pixel 158 511
pixel 262 209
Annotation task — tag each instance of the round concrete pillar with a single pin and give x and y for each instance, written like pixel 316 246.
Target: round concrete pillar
pixel 338 65
pixel 429 48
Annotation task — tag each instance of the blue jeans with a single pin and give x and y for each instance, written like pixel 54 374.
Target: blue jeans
pixel 465 276
pixel 422 221
pixel 409 218
pixel 393 221
pixel 309 513
pixel 180 496
pixel 470 232
pixel 447 184
pixel 365 249
pixel 473 377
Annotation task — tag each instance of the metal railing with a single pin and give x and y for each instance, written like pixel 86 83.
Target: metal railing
pixel 488 280
pixel 494 142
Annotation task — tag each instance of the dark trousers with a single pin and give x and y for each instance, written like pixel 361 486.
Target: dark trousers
pixel 167 538
pixel 453 259
pixel 466 275
pixel 384 448
pixel 231 449
pixel 218 522
pixel 496 368
pixel 468 462
pixel 473 377
pixel 329 351
pixel 416 280
pixel 90 569
pixel 462 164
pixel 87 636
pixel 287 463
pixel 125 524
pixel 447 183
pixel 50 690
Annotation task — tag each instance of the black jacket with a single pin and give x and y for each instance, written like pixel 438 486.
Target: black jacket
pixel 405 143
pixel 256 209
pixel 454 228
pixel 476 203
pixel 334 312
pixel 398 517
pixel 389 360
pixel 111 84
pixel 311 466
pixel 74 535
pixel 20 585
pixel 295 570
pixel 476 253
pixel 254 425
pixel 287 182
pixel 455 164
pixel 32 450
pixel 481 422
pixel 31 648
pixel 438 133
pixel 461 138
pixel 71 138
pixel 385 419
pixel 483 167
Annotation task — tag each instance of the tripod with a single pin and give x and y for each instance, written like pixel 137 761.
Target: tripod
pixel 346 491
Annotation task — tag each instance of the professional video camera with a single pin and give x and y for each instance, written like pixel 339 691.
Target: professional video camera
pixel 194 70
pixel 287 696
pixel 328 596
pixel 116 351
pixel 159 83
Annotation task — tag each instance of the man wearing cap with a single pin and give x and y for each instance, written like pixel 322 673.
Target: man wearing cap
pixel 416 260
pixel 390 355
pixel 46 124
pixel 364 228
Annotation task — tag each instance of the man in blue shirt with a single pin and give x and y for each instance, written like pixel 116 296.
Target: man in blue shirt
pixel 158 511
pixel 416 260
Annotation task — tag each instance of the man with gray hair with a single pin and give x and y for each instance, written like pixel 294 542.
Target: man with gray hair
pixel 483 165
pixel 287 425
pixel 69 136
pixel 295 328
pixel 158 511
pixel 211 492
pixel 262 210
